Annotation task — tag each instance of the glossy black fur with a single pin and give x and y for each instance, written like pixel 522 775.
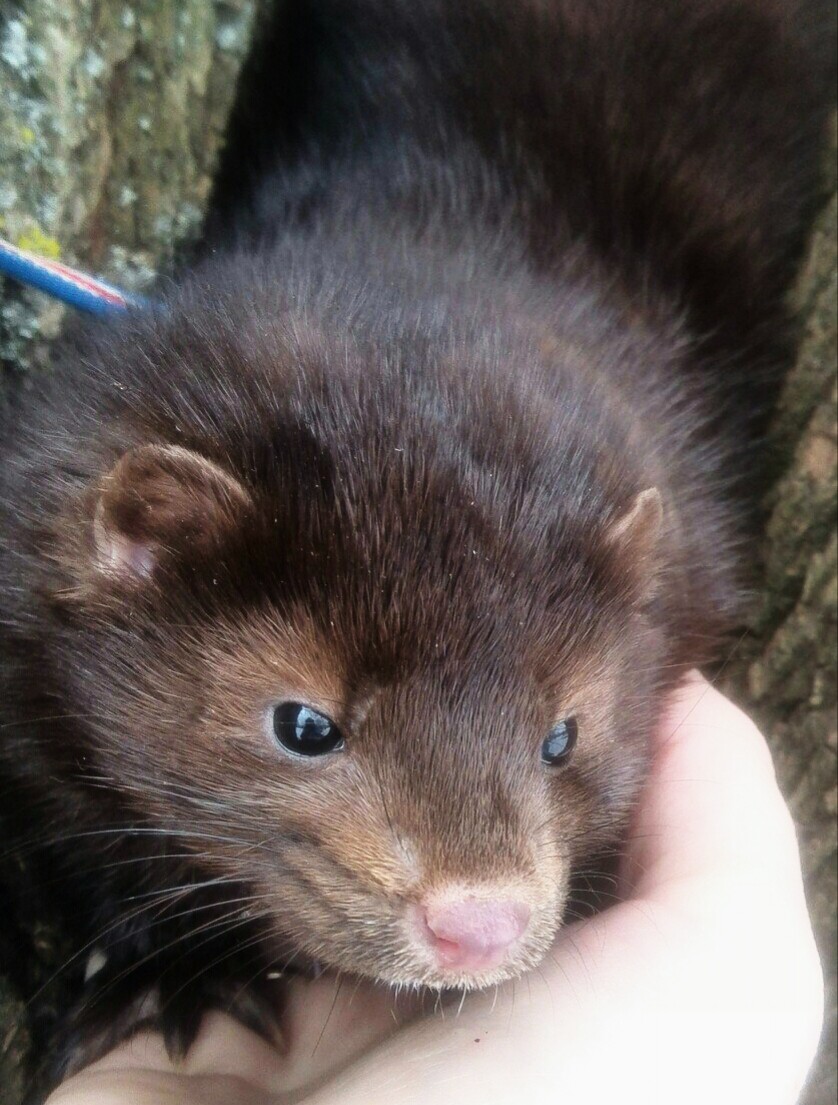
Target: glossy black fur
pixel 540 249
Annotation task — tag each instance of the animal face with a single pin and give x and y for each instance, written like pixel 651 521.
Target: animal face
pixel 401 720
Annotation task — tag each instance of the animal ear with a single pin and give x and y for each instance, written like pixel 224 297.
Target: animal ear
pixel 158 498
pixel 634 535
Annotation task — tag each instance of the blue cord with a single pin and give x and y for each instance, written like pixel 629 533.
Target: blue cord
pixel 70 286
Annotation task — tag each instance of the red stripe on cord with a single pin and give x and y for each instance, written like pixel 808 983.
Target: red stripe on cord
pixel 82 281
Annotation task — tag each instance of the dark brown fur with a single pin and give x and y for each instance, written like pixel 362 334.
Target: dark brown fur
pixel 476 276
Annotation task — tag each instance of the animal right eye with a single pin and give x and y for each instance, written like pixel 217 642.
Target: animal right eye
pixel 560 742
pixel 303 731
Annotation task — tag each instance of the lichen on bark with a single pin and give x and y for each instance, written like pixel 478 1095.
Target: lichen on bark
pixel 111 116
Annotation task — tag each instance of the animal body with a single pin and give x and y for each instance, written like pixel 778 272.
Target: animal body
pixel 339 590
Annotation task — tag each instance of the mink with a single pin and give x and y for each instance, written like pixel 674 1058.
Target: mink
pixel 341 585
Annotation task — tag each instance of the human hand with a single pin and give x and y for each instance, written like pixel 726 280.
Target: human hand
pixel 702 985
pixel 325 1025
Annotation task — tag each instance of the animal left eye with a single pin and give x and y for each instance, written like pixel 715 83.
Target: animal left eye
pixel 560 742
pixel 304 731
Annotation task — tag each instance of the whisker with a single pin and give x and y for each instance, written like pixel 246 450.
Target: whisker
pixel 338 988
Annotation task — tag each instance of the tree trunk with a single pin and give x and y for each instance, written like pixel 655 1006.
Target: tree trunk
pixel 111 116
pixel 786 674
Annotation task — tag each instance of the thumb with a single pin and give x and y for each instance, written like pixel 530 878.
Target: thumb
pixel 712 806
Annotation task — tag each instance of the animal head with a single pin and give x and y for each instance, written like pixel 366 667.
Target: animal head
pixel 386 659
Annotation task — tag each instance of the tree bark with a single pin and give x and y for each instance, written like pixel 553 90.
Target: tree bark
pixel 111 116
pixel 786 673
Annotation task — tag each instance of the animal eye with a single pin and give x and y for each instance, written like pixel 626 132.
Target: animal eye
pixel 304 731
pixel 560 742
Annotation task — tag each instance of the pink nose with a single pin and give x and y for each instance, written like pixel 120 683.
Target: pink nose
pixel 473 933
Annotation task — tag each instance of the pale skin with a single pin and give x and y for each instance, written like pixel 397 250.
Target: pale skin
pixel 702 985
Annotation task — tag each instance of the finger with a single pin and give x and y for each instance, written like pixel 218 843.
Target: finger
pixel 223 1048
pixel 326 1023
pixel 711 804
pixel 149 1087
pixel 330 1022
